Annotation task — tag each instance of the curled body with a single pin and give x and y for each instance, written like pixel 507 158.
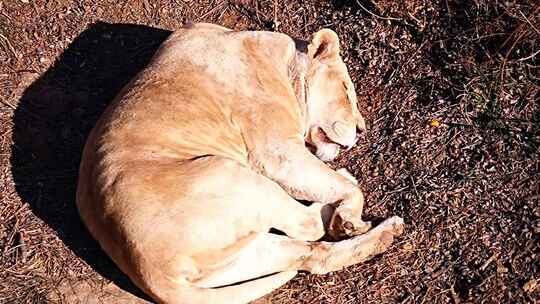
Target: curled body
pixel 204 151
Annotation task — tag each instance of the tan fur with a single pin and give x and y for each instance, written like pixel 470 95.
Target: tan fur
pixel 204 151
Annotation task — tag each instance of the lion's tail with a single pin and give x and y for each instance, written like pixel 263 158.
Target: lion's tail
pixel 239 294
pixel 83 292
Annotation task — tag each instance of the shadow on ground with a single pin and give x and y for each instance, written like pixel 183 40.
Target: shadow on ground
pixel 54 117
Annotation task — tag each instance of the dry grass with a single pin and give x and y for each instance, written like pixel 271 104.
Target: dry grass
pixel 468 188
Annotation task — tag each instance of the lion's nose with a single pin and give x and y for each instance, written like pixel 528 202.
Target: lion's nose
pixel 351 145
pixel 360 133
pixel 361 124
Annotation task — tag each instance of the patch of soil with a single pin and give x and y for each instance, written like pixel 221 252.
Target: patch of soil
pixel 449 88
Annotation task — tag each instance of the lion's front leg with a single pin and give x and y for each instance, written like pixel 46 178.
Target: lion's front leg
pixel 347 213
pixel 305 177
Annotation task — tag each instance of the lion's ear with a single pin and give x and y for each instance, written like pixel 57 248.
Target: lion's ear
pixel 324 46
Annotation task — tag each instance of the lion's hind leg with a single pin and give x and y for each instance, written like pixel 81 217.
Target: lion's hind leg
pixel 270 253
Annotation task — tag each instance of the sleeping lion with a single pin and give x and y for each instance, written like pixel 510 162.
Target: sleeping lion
pixel 204 152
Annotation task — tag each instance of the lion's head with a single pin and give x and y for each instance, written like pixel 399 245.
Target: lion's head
pixel 333 117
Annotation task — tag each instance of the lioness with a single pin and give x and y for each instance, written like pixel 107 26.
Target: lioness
pixel 204 151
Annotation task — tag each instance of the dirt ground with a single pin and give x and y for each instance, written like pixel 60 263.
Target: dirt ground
pixel 450 90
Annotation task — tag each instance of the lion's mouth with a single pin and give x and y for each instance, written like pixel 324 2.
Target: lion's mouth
pixel 323 137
